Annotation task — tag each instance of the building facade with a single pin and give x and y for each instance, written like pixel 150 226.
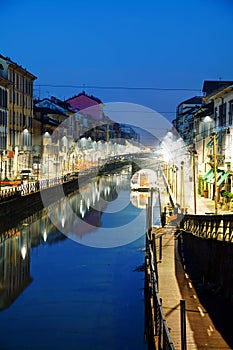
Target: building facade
pixel 16 86
pixel 210 130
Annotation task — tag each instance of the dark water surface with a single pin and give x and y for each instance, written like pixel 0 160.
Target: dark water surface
pixel 57 293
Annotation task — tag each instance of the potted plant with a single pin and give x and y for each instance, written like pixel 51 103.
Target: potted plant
pixel 227 199
pixel 206 193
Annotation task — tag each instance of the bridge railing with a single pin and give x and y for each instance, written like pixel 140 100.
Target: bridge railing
pixel 219 227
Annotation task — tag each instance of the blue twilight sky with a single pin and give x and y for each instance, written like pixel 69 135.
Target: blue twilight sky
pixel 164 44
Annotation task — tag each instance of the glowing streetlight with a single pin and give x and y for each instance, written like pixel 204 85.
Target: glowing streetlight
pixel 215 174
pixel 209 119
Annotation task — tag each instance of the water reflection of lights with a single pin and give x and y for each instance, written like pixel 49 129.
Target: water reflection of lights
pixel 140 199
pixel 45 236
pixel 82 209
pixel 63 222
pixel 23 252
pixel 93 197
pixel 81 213
pixel 107 190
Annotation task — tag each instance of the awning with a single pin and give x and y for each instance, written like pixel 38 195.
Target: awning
pixel 220 181
pixel 206 176
pixel 211 142
pixel 211 179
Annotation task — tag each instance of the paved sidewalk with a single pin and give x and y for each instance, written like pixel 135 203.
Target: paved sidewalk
pixel 169 290
pixel 207 205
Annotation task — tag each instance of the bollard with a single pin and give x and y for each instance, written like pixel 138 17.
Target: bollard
pixel 183 325
pixel 160 248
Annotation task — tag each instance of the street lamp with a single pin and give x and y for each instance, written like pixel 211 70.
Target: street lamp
pixel 194 156
pixel 182 194
pixel 215 174
pixel 209 119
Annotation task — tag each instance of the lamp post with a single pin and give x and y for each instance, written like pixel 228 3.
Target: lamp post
pixel 209 119
pixel 182 194
pixel 215 174
pixel 194 181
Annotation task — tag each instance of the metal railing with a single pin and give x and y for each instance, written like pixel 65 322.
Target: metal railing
pixel 28 187
pixel 218 227
pixel 157 331
pixel 9 193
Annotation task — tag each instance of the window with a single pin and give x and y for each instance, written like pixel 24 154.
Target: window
pixel 5 99
pixel 20 83
pixel 230 113
pixel 24 85
pixel 2 140
pixel 3 118
pixel 11 75
pixel 222 114
pixel 1 97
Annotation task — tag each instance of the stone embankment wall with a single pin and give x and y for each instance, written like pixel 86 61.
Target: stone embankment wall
pixel 214 261
pixel 18 208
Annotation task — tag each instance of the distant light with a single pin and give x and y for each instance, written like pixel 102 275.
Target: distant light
pixel 207 119
pixel 26 131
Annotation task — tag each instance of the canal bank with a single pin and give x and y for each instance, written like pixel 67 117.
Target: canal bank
pixel 20 207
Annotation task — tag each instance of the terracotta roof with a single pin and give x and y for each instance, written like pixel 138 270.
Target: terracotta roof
pixel 83 101
pixel 87 104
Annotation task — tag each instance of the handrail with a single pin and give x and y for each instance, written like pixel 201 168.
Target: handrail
pixel 157 330
pixel 217 227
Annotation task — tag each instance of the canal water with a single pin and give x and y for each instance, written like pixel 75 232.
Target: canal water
pixel 79 286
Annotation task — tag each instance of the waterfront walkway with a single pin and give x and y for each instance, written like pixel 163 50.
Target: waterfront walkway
pixel 206 205
pixel 175 285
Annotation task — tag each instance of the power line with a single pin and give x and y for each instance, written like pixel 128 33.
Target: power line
pixel 84 86
pixel 138 111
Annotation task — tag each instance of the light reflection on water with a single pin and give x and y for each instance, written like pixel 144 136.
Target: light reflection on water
pixel 59 294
